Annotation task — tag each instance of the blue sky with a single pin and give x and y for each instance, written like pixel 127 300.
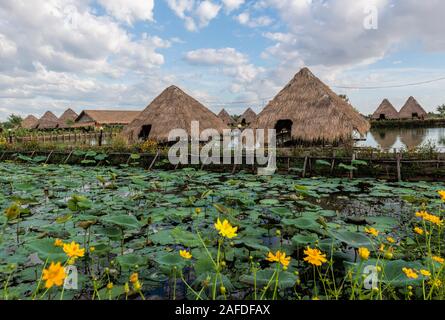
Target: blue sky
pixel 120 54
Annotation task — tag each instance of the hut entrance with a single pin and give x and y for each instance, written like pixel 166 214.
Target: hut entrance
pixel 284 131
pixel 145 132
pixel 243 122
pixel 415 115
pixel 382 117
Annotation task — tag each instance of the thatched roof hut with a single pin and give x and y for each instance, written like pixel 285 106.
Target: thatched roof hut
pixel 226 117
pixel 67 119
pixel 386 138
pixel 412 110
pixel 385 111
pixel 48 121
pixel 172 109
pixel 100 118
pixel 311 112
pixel 248 117
pixel 29 122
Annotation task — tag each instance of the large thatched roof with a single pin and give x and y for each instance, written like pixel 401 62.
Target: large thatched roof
pixel 68 116
pixel 316 112
pixel 93 118
pixel 225 117
pixel 48 121
pixel 172 109
pixel 386 111
pixel 248 117
pixel 411 109
pixel 29 122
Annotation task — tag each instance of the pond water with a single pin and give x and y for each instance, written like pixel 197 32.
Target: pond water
pixel 402 138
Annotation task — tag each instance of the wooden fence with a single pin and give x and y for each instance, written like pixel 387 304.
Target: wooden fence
pixel 85 138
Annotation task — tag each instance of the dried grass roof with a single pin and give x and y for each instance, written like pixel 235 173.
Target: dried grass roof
pixel 411 107
pixel 317 113
pixel 387 109
pixel 226 117
pixel 173 109
pixel 66 117
pixel 29 122
pixel 106 117
pixel 249 116
pixel 48 121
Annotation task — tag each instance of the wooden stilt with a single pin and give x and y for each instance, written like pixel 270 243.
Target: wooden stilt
pixel 304 167
pixel 154 160
pixel 399 169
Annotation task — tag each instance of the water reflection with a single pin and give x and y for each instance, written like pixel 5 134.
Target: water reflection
pixel 390 138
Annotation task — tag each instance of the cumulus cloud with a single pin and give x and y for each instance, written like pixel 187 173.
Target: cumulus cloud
pixel 253 22
pixel 129 11
pixel 225 56
pixel 196 14
pixel 231 5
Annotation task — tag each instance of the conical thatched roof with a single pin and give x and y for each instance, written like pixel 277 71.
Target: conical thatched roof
pixel 225 117
pixel 172 109
pixel 385 111
pixel 29 122
pixel 411 109
pixel 68 116
pixel 248 117
pixel 316 112
pixel 48 121
pixel 386 138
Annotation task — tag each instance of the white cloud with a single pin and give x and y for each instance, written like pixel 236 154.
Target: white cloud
pixel 206 12
pixel 231 5
pixel 7 47
pixel 129 11
pixel 196 14
pixel 225 56
pixel 246 20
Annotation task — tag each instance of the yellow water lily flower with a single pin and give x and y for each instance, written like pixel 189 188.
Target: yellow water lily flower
pixel 314 257
pixel 58 243
pixel 372 231
pixel 364 253
pixel 430 218
pixel 437 283
pixel 419 231
pixel 442 194
pixel 390 240
pixel 54 275
pixel 279 257
pixel 110 285
pixel 226 229
pixel 185 254
pixel 438 259
pixel 73 250
pixel 410 273
pixel 134 278
pixel 425 273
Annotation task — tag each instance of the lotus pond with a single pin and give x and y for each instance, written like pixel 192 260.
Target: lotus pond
pixel 71 232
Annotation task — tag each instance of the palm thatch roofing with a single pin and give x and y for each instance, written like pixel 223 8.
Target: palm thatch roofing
pixel 316 112
pixel 248 117
pixel 412 109
pixel 48 121
pixel 94 118
pixel 226 117
pixel 68 116
pixel 29 122
pixel 172 109
pixel 386 111
pixel 386 138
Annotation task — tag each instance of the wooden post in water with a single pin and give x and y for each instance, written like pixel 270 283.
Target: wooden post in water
pixel 304 166
pixel 154 160
pixel 334 154
pixel 399 168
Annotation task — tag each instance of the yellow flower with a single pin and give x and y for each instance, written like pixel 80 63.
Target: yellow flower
pixel 198 210
pixel 410 273
pixel 134 278
pixel 127 288
pixel 364 253
pixel 436 283
pixel 382 247
pixel 391 240
pixel 13 212
pixel 110 285
pixel 421 214
pixel 442 194
pixel 372 231
pixel 225 229
pixel 92 249
pixel 54 275
pixel 430 218
pixel 185 254
pixel 438 259
pixel 58 243
pixel 419 231
pixel 137 286
pixel 279 257
pixel 425 273
pixel 314 257
pixel 73 250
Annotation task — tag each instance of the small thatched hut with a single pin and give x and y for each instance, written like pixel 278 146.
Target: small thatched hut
pixel 308 111
pixel 29 122
pixel 102 118
pixel 67 119
pixel 247 118
pixel 172 109
pixel 226 117
pixel 412 110
pixel 48 121
pixel 385 111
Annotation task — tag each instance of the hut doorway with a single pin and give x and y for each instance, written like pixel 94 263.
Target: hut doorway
pixel 243 122
pixel 415 115
pixel 382 117
pixel 284 131
pixel 145 132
